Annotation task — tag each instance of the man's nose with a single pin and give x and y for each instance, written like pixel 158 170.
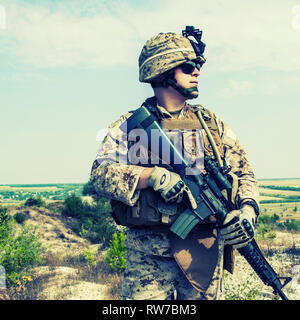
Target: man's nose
pixel 196 72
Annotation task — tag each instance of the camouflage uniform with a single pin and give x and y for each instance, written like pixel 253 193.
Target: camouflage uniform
pixel 152 272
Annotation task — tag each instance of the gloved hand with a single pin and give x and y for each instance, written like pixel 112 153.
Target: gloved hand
pixel 238 227
pixel 170 186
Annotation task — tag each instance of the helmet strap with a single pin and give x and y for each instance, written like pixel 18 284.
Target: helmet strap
pixel 186 92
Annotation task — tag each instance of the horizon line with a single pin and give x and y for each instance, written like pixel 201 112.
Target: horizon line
pixel 54 183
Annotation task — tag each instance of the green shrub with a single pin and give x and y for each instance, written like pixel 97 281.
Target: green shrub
pixel 94 221
pixel 90 256
pixel 266 223
pixel 115 256
pixel 19 252
pixel 76 227
pixel 73 206
pixel 271 235
pixel 267 219
pixel 19 217
pixel 37 202
pixel 290 225
pixel 246 289
pixel 89 189
pixel 6 225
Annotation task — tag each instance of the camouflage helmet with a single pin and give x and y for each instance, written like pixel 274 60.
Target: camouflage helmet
pixel 162 53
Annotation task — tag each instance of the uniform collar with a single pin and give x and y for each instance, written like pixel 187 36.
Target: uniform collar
pixel 166 114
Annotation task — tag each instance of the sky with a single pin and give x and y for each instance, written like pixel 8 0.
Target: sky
pixel 68 68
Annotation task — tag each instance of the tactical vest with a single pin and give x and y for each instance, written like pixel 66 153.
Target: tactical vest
pixel 151 209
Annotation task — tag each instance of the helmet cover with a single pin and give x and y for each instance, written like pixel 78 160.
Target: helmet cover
pixel 162 53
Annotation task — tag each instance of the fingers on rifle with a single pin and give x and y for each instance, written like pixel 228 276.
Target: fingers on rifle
pixel 190 197
pixel 230 227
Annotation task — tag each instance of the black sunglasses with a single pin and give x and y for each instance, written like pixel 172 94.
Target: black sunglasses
pixel 189 66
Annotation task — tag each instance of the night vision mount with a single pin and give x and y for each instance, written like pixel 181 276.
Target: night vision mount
pixel 198 46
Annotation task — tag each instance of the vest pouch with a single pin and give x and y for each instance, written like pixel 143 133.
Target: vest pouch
pixel 149 210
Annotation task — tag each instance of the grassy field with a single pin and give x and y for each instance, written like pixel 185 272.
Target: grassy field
pixel 274 195
pixel 280 182
pixel 287 205
pixel 283 210
pixel 11 195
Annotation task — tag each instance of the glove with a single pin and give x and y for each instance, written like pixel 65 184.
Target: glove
pixel 170 186
pixel 238 227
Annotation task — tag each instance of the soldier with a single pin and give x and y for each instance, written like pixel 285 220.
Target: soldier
pixel 146 197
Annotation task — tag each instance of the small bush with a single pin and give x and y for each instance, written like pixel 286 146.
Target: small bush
pixel 18 252
pixel 115 256
pixel 36 202
pixel 95 221
pixel 19 217
pixel 266 223
pixel 76 227
pixel 268 220
pixel 243 290
pixel 6 225
pixel 73 206
pixel 90 256
pixel 89 189
pixel 290 225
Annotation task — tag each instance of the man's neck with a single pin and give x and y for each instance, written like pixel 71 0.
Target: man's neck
pixel 171 100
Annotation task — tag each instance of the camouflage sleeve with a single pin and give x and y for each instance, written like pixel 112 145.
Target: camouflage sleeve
pixel 237 158
pixel 111 175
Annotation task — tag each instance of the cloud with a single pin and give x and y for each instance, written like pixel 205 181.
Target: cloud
pixel 273 84
pixel 236 88
pixel 42 38
pixel 97 34
pixel 23 76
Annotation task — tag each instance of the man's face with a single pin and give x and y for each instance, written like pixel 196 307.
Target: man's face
pixel 187 79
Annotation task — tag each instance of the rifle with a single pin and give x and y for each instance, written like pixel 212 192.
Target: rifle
pixel 206 189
